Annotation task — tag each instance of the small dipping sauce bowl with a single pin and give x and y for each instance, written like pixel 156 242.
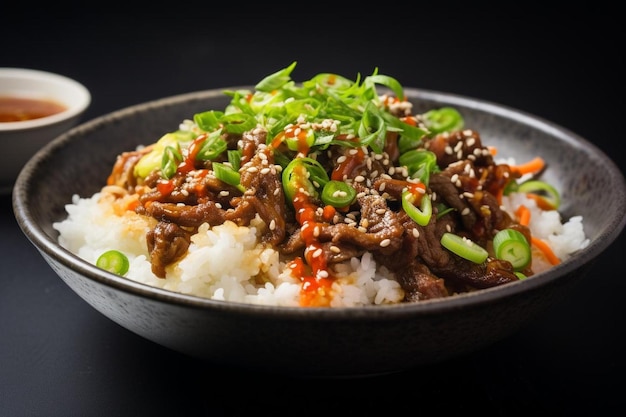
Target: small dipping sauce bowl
pixel 35 107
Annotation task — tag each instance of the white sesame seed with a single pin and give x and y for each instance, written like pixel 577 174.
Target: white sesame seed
pixel 384 243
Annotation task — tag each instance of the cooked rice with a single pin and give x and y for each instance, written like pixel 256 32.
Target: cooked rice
pixel 229 263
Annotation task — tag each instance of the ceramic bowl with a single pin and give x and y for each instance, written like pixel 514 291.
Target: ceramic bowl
pixel 318 342
pixel 23 135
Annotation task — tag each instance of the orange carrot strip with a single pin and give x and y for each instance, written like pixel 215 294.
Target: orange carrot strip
pixel 533 166
pixel 547 251
pixel 523 213
pixel 542 203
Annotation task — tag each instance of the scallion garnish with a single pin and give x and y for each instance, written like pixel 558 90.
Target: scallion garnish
pixel 113 261
pixel 511 245
pixel 464 247
pixel 170 160
pixel 228 175
pixel 543 190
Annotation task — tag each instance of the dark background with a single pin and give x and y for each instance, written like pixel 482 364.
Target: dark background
pixel 59 357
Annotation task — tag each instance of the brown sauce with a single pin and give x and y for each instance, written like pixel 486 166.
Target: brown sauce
pixel 15 109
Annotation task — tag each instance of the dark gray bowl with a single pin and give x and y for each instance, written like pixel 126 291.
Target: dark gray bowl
pixel 317 342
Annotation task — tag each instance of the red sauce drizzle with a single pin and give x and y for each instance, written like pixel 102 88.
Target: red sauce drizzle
pixel 316 279
pixel 189 160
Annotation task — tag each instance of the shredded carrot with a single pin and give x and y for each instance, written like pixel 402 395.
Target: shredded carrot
pixel 547 251
pixel 492 150
pixel 533 166
pixel 542 203
pixel 523 213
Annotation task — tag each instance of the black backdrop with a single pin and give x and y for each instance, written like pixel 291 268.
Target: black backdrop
pixel 59 357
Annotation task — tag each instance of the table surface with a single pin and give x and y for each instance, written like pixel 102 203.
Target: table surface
pixel 60 357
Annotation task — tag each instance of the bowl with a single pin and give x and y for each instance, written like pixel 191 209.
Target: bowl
pixel 35 107
pixel 318 342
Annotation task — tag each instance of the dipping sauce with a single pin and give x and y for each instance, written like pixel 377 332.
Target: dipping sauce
pixel 15 109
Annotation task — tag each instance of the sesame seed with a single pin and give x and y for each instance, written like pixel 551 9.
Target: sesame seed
pixel 265 170
pixel 273 225
pixel 416 233
pixel 335 249
pixel 224 193
pixel 465 211
pixel 385 242
pixel 317 253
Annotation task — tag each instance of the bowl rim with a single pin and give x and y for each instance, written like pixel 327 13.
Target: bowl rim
pixel 50 248
pixel 79 90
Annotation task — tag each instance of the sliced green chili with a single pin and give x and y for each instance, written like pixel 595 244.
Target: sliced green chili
pixel 420 215
pixel 464 248
pixel 338 194
pixel 444 119
pixel 113 261
pixel 305 173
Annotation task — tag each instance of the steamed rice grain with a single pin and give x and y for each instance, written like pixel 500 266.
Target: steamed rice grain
pixel 229 262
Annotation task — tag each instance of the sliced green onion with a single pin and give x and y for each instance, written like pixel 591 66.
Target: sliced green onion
pixel 169 161
pixel 208 120
pixel 464 248
pixel 238 122
pixel 542 189
pixel 212 147
pixel 420 215
pixel 389 82
pixel 519 275
pixel 420 163
pixel 338 194
pixel 276 80
pixel 228 175
pixel 444 119
pixel 113 261
pixel 234 158
pixel 511 245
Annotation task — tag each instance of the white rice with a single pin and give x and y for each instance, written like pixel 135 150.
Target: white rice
pixel 229 263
